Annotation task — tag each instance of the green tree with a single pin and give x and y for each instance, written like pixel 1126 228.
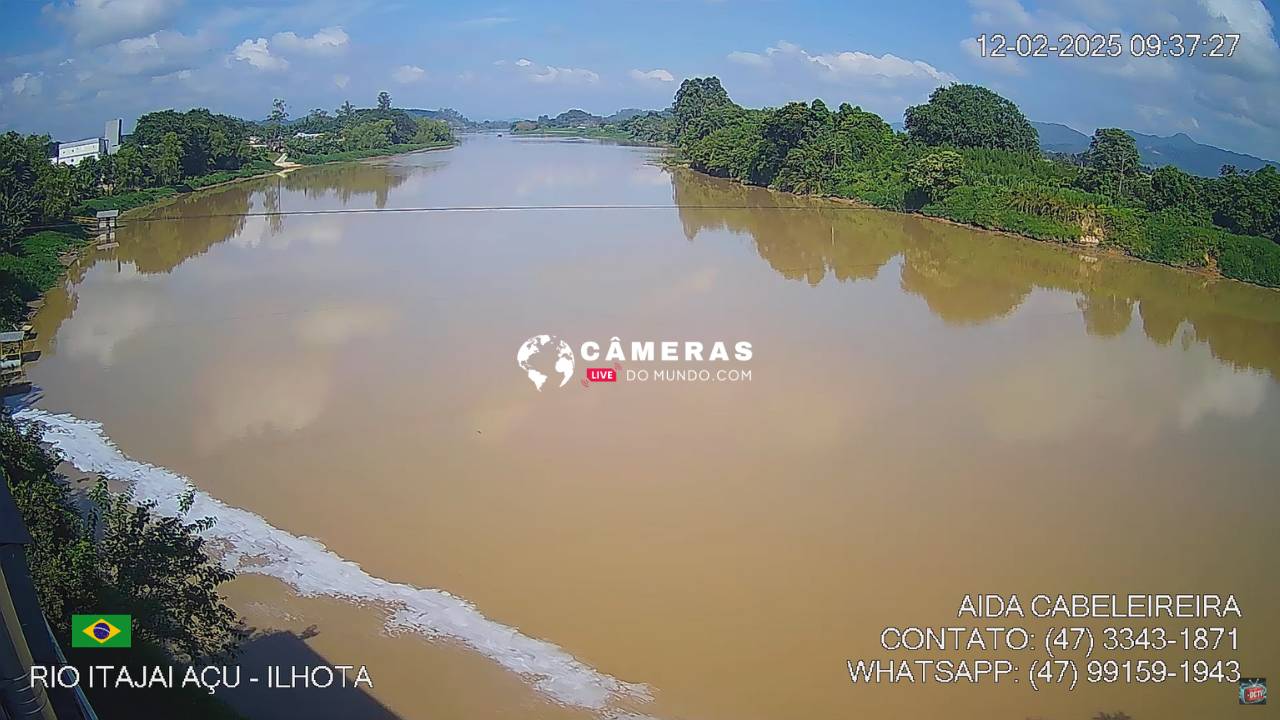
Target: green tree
pixel 158 567
pixel 210 141
pixel 370 135
pixel 384 100
pixel 21 159
pixel 1111 163
pixel 970 116
pixel 59 189
pixel 936 173
pixel 430 130
pixel 61 556
pixel 127 169
pixel 1171 187
pixel 279 112
pixel 346 110
pixel 166 163
pixel 701 105
pixel 798 151
pixel 121 555
pixel 1247 202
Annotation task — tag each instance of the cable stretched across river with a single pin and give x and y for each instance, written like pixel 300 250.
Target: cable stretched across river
pixel 451 209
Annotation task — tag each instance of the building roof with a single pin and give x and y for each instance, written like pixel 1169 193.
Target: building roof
pixel 13 336
pixel 78 143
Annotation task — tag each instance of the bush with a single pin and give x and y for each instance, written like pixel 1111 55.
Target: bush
pixel 257 167
pixel 24 276
pixel 996 166
pixel 121 556
pixel 936 173
pixel 992 207
pixel 123 201
pixel 1247 257
pixel 362 154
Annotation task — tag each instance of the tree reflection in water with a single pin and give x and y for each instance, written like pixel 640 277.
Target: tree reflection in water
pixel 969 277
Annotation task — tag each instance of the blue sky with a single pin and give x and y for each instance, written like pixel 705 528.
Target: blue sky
pixel 67 66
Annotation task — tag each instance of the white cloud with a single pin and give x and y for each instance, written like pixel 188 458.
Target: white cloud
pixel 847 66
pixel 179 76
pixel 550 74
pixel 656 75
pixel 327 41
pixel 95 22
pixel 26 84
pixel 258 54
pixel 341 81
pixel 160 53
pixel 748 58
pixel 862 65
pixel 406 74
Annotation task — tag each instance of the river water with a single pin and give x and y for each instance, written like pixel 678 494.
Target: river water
pixel 930 412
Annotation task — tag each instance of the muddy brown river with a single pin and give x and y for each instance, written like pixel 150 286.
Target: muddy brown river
pixel 927 412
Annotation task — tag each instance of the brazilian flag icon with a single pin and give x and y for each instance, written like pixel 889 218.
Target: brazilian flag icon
pixel 101 631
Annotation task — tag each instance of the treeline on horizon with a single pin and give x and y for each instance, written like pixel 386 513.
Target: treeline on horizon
pixel 167 153
pixel 971 156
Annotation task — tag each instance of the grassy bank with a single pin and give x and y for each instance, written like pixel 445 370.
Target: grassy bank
pixel 33 269
pixel 139 198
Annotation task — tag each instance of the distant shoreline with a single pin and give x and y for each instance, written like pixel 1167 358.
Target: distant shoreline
pixel 1100 249
pixel 80 246
pixel 170 199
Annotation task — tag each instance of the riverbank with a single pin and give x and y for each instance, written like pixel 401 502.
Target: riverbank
pixel 1256 260
pixel 583 133
pixel 45 255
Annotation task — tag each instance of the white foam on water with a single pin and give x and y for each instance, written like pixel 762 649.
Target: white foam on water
pixel 252 545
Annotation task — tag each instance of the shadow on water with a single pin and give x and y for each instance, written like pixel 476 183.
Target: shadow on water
pixel 283 649
pixel 969 277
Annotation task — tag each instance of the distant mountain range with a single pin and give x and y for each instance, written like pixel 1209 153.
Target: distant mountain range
pixel 1155 150
pixel 1178 150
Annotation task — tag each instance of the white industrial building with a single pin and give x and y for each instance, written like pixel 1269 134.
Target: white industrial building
pixel 73 153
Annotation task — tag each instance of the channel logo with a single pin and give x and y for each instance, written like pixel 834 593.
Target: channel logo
pixel 1253 691
pixel 95 631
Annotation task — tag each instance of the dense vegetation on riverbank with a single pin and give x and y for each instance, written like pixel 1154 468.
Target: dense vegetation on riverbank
pixel 971 156
pixel 349 155
pixel 119 556
pixel 169 153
